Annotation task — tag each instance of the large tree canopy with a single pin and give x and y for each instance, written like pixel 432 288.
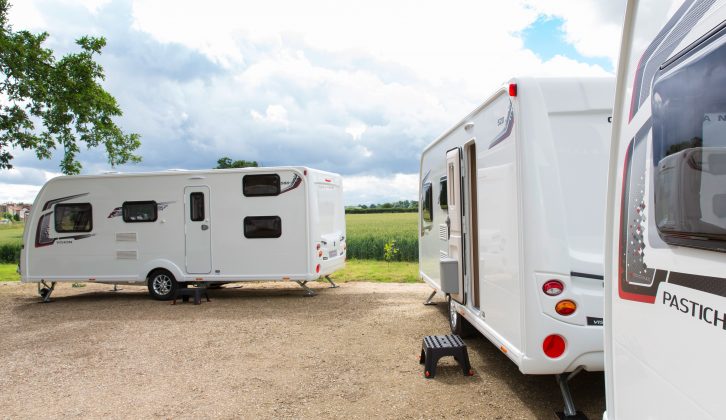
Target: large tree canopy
pixel 63 95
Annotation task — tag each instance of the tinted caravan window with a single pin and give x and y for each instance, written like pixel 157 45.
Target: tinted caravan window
pixel 689 148
pixel 261 185
pixel 427 203
pixel 139 211
pixel 196 206
pixel 263 227
pixel 443 198
pixel 72 218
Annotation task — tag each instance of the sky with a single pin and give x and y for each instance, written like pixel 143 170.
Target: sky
pixel 357 87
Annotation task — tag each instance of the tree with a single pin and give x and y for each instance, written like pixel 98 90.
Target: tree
pixel 226 163
pixel 63 95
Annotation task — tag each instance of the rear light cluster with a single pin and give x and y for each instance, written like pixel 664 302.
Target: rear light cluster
pixel 565 307
pixel 555 288
pixel 554 346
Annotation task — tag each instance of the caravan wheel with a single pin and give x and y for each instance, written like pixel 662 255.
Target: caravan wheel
pixel 459 325
pixel 162 285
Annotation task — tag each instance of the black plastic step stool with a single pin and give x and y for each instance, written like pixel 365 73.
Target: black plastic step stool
pixel 195 292
pixel 437 346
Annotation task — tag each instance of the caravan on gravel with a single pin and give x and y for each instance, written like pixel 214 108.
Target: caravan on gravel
pixel 511 222
pixel 169 229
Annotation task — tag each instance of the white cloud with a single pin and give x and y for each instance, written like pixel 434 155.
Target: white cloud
pixel 356 129
pixel 25 15
pixel 18 193
pixel 368 189
pixel 25 175
pixel 275 114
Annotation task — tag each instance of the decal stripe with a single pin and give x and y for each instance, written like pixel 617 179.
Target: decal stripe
pixel 507 130
pixel 587 276
pixel 711 285
pixel 49 204
pixel 296 181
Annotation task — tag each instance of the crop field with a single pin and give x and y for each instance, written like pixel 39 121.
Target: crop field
pixel 11 234
pixel 369 233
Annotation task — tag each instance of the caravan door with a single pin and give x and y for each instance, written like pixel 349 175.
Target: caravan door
pixel 197 230
pixel 453 175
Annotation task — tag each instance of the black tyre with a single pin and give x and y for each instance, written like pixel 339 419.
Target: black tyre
pixel 459 325
pixel 162 285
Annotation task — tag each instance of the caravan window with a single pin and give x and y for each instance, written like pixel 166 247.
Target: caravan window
pixel 427 208
pixel 263 227
pixel 196 206
pixel 72 218
pixel 139 211
pixel 261 185
pixel 443 198
pixel 689 148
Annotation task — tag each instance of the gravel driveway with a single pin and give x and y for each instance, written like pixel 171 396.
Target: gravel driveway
pixel 259 350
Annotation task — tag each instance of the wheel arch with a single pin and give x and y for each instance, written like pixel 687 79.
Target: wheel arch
pixel 161 264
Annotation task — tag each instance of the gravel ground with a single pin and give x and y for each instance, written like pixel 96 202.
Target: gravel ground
pixel 259 350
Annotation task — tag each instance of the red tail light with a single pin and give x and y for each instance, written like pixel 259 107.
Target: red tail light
pixel 512 89
pixel 553 346
pixel 553 287
pixel 318 247
pixel 317 268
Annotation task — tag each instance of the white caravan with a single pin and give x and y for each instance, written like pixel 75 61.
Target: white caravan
pixel 665 297
pixel 168 229
pixel 511 222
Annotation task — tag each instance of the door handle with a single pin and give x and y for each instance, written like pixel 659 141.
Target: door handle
pixel 205 227
pixel 448 227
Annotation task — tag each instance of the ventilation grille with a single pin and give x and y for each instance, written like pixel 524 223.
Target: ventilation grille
pixel 443 254
pixel 125 255
pixel 443 232
pixel 126 237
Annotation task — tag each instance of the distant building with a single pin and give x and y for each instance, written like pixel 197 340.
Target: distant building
pixel 21 209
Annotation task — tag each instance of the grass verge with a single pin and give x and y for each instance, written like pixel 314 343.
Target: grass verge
pixel 8 272
pixel 11 234
pixel 377 271
pixel 355 270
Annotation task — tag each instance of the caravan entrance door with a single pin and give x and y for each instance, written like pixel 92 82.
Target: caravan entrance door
pixel 453 175
pixel 197 230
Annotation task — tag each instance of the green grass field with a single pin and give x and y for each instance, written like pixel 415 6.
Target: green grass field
pixel 369 233
pixel 11 234
pixel 8 272
pixel 378 271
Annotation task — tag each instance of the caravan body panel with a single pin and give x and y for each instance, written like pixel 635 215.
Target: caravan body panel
pixel 666 220
pixel 534 178
pixel 210 226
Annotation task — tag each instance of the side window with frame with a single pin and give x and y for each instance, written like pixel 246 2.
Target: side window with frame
pixel 443 195
pixel 258 227
pixel 196 206
pixel 689 147
pixel 427 208
pixel 73 217
pixel 261 185
pixel 139 211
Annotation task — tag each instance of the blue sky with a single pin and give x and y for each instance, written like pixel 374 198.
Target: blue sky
pixel 355 87
pixel 546 38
